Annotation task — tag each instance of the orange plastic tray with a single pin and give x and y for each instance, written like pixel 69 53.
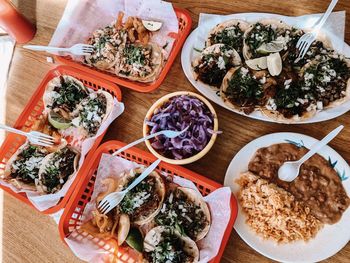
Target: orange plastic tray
pixel 185 24
pixel 33 110
pixel 71 217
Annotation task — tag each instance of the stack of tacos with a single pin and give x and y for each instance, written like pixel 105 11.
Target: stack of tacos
pixel 155 215
pixel 265 74
pixel 124 49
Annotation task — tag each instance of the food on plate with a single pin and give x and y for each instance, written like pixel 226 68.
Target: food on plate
pixel 185 210
pixel 265 37
pixel 245 89
pixel 71 105
pixel 212 64
pixel 141 63
pixel 327 80
pixel 22 169
pixel 318 185
pixel 63 94
pixel 125 49
pixel 163 244
pixel 179 113
pixel 92 111
pixel 143 202
pixel 56 168
pixel 273 213
pixel 299 88
pixel 229 33
pixel 177 215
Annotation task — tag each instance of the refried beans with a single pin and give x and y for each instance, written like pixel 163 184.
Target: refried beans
pixel 318 184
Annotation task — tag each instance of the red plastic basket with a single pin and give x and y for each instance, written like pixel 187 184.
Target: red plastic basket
pixel 185 24
pixel 33 110
pixel 70 219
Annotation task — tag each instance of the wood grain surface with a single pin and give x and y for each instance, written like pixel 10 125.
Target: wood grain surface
pixel 29 236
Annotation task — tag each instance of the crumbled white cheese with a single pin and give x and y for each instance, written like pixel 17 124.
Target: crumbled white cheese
pixel 263 80
pixel 271 105
pixel 244 71
pixel 221 63
pixel 319 105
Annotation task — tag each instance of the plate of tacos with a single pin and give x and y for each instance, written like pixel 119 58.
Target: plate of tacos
pixel 248 63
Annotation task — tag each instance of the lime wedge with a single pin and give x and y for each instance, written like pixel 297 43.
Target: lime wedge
pixel 152 25
pixel 271 47
pixel 135 239
pixel 58 121
pixel 274 64
pixel 257 63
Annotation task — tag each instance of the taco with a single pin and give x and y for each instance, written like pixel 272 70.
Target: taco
pixel 245 89
pixel 56 169
pixel 229 33
pixel 185 210
pixel 22 169
pixel 264 37
pixel 106 42
pixel 140 62
pixel 63 94
pixel 290 103
pixel 163 245
pixel 92 111
pixel 327 79
pixel 143 202
pixel 214 62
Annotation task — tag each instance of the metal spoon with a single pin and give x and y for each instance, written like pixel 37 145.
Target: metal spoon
pixel 290 170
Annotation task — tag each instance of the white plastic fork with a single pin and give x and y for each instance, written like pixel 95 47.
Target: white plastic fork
pixel 77 49
pixel 34 137
pixel 113 199
pixel 167 133
pixel 306 40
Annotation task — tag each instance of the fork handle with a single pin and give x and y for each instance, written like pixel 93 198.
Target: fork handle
pixel 326 15
pixel 46 48
pixel 137 142
pixel 144 174
pixel 10 129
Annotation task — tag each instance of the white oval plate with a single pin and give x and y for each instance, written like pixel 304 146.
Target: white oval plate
pixel 197 38
pixel 328 241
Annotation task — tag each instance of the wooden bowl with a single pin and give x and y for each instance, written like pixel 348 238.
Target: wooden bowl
pixel 195 157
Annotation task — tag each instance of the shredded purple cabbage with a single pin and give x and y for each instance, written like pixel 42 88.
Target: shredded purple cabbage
pixel 176 114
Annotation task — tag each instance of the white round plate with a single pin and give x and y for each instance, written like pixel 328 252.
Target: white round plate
pixel 196 41
pixel 328 241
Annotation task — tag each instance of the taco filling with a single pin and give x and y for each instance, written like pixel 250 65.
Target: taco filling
pixel 264 39
pixel 214 63
pixel 142 200
pixel 180 212
pixel 245 90
pixel 169 249
pixel 66 96
pixel 106 42
pixel 57 170
pixel 231 36
pixel 26 166
pixel 327 80
pixel 91 112
pixel 136 61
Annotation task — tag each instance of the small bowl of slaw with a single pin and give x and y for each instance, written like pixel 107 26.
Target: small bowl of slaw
pixel 177 111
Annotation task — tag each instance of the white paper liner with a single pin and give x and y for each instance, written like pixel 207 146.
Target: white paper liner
pixel 218 201
pixel 81 18
pixel 43 202
pixel 334 27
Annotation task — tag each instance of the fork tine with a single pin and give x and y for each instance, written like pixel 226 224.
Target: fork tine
pixel 36 133
pixel 38 143
pixel 101 204
pixel 301 48
pixel 305 50
pixel 44 139
pixel 108 209
pixel 104 208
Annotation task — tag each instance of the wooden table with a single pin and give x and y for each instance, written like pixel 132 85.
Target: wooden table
pixel 29 236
